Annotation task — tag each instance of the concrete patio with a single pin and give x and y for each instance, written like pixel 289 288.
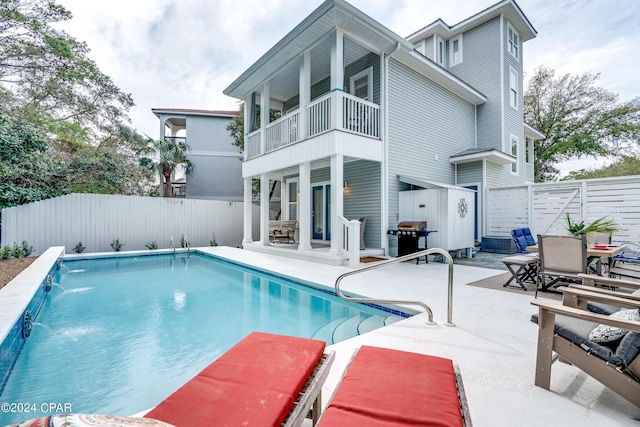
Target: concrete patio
pixel 494 342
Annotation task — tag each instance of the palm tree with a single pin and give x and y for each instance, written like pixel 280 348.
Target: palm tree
pixel 171 153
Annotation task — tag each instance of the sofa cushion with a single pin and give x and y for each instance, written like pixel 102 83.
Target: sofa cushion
pixel 607 333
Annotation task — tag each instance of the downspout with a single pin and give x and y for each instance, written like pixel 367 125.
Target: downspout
pixel 384 199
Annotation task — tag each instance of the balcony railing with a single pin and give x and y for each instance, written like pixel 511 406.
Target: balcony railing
pixel 357 115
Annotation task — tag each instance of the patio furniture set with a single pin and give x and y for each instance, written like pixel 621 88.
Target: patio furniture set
pixel 556 259
pixel 597 326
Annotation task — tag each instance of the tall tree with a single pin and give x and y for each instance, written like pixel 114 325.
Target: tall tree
pixel 171 154
pixel 27 173
pixel 626 166
pixel 48 81
pixel 578 119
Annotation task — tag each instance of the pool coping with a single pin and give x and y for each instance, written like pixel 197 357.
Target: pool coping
pixel 18 297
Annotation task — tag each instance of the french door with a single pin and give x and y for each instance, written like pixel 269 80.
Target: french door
pixel 321 212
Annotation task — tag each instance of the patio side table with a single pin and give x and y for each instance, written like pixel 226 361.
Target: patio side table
pixel 527 268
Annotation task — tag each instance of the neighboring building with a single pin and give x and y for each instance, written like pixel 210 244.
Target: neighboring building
pixel 218 169
pixel 383 114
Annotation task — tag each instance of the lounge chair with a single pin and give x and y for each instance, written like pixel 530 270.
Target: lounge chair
pixel 565 329
pixel 523 238
pixel 265 380
pixel 562 259
pixel 383 387
pixel 626 264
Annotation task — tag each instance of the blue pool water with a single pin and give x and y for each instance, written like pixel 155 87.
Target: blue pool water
pixel 118 335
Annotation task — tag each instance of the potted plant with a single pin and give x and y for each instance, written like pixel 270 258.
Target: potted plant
pixel 600 225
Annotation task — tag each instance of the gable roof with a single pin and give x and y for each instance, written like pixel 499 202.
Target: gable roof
pixel 508 8
pixel 319 25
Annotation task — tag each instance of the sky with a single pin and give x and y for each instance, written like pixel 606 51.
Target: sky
pixel 184 53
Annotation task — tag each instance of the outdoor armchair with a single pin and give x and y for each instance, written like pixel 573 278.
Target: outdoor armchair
pixel 567 332
pixel 562 258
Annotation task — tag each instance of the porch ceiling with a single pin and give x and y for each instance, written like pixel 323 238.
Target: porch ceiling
pixel 284 57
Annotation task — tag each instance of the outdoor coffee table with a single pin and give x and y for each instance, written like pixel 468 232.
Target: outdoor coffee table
pixel 527 268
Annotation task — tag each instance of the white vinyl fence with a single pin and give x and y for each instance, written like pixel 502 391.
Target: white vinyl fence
pixel 543 206
pixel 96 220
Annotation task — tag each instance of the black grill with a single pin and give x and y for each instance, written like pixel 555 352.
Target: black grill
pixel 409 234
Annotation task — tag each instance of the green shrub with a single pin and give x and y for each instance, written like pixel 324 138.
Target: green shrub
pixel 79 248
pixel 17 251
pixel 26 248
pixel 116 245
pixel 152 245
pixel 6 252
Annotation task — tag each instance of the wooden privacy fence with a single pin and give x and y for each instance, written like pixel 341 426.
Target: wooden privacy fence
pixel 543 206
pixel 96 220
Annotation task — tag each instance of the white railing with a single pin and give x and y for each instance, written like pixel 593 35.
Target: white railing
pixel 283 131
pixel 350 240
pixel 319 115
pixel 253 144
pixel 360 116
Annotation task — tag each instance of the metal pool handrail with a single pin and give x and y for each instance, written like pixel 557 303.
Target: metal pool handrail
pixel 411 256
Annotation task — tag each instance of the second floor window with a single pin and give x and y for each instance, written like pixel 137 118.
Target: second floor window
pixel 513 42
pixel 455 50
pixel 361 84
pixel 513 88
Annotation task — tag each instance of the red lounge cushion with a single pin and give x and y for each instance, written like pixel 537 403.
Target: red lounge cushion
pixel 253 384
pixel 385 387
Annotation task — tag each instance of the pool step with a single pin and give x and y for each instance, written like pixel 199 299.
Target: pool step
pixel 343 328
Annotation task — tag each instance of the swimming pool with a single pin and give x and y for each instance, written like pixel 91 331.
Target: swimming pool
pixel 118 335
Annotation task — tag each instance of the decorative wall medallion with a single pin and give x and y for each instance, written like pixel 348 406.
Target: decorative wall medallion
pixel 462 208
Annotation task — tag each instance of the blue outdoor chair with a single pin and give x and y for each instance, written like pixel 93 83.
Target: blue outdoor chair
pixel 523 238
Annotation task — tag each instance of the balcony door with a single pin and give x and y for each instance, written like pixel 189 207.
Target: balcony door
pixel 321 212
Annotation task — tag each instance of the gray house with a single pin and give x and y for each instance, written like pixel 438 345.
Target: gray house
pixel 218 170
pixel 367 114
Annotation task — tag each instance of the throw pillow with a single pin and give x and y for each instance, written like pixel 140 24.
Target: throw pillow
pixel 606 333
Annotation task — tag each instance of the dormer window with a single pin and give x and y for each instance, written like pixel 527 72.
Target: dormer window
pixel 455 50
pixel 513 42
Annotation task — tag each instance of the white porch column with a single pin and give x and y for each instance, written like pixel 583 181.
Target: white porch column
pixel 264 209
pixel 337 78
pixel 305 94
pixel 247 127
pixel 337 174
pixel 248 212
pixel 304 214
pixel 163 124
pixel 264 116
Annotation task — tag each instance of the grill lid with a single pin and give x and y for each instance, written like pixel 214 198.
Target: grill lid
pixel 412 225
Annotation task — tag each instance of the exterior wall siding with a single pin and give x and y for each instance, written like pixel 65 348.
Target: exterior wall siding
pixel 480 68
pixel 362 198
pixel 470 172
pixel 218 170
pixel 426 125
pixel 323 86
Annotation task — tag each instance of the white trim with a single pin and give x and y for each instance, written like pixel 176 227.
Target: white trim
pixel 514 89
pixel 528 150
pixel 369 74
pixel 513 46
pixel 502 135
pixel 455 60
pixel 288 202
pixel 437 43
pixel 514 139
